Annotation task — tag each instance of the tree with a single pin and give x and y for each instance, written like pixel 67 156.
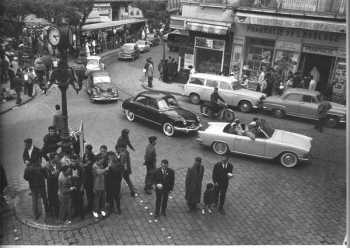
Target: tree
pixel 154 11
pixel 74 12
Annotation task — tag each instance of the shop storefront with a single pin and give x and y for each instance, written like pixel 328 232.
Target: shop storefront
pixel 290 50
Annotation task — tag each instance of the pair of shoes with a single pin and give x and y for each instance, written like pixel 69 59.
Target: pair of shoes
pixel 103 213
pixel 95 214
pixel 67 222
pixel 222 211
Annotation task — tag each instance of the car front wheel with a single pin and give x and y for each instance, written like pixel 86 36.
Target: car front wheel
pixel 220 148
pixel 195 98
pixel 168 129
pixel 245 106
pixel 288 159
pixel 129 115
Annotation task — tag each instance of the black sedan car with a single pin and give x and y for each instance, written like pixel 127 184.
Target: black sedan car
pixel 161 109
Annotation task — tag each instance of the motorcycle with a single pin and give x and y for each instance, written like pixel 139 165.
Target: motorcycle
pixel 225 113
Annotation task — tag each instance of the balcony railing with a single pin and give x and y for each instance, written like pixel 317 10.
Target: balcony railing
pixel 209 3
pixel 329 7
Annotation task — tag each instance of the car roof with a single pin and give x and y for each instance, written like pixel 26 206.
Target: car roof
pixel 302 91
pixel 129 44
pixel 100 74
pixel 93 57
pixel 212 77
pixel 155 94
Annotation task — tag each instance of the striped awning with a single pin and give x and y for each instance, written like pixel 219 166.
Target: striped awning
pixel 207 28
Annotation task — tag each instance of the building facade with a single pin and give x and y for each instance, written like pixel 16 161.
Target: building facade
pixel 243 37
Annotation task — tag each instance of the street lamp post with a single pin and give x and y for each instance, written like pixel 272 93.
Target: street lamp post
pixel 164 64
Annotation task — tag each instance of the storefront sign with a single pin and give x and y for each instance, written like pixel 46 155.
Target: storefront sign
pixel 288 46
pixel 188 60
pixel 322 50
pixel 309 5
pixel 210 43
pixel 295 33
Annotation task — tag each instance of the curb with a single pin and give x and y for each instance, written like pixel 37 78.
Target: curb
pixel 22 103
pixel 163 91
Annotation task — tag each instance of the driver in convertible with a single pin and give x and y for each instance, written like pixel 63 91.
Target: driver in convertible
pixel 214 97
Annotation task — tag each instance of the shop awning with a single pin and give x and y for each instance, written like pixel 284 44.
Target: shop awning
pixel 208 27
pixel 111 24
pixel 288 22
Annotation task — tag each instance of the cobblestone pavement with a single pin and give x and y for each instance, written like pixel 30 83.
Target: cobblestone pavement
pixel 266 203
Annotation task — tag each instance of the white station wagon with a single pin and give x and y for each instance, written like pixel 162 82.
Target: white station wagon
pixel 201 85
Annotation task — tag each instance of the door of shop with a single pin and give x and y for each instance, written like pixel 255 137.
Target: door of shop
pixel 208 61
pixel 322 63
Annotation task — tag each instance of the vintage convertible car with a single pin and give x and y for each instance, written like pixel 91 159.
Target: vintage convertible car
pixel 269 143
pixel 161 109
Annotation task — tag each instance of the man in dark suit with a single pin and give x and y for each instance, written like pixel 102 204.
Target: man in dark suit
pixel 222 172
pixel 164 179
pixel 31 154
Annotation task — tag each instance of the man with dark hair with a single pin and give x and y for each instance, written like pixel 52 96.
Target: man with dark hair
pixel 164 179
pixel 77 183
pixel 103 153
pixel 51 142
pixel 150 163
pixel 53 168
pixel 31 154
pixel 124 140
pixel 222 172
pixel 88 161
pixel 214 97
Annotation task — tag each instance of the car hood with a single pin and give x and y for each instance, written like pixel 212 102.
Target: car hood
pixel 125 50
pixel 292 139
pixel 250 93
pixel 272 99
pixel 215 127
pixel 105 87
pixel 180 113
pixel 337 108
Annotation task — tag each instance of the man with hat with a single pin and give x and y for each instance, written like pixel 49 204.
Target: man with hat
pixel 78 186
pixel 31 154
pixel 150 163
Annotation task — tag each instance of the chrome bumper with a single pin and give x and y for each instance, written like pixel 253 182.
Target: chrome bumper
pixel 188 129
pixel 102 98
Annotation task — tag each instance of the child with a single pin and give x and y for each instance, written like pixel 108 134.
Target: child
pixel 209 199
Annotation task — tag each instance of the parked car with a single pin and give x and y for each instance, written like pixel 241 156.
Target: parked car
pixel 303 103
pixel 161 109
pixel 129 51
pixel 153 39
pixel 200 86
pixel 101 88
pixel 287 147
pixel 143 45
pixel 94 64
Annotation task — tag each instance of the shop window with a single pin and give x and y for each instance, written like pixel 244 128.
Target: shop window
pixel 294 97
pixel 212 83
pixel 225 86
pixel 198 81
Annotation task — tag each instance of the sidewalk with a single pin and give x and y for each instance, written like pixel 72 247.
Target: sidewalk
pixel 172 88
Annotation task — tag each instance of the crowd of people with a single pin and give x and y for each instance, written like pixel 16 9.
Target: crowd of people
pixel 73 184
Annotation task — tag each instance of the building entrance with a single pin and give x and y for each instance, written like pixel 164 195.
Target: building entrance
pixel 319 66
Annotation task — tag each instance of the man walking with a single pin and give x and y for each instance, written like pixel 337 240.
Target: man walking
pixel 222 172
pixel 164 179
pixel 150 163
pixel 322 112
pixel 58 119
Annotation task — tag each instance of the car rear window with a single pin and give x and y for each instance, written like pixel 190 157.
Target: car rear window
pixel 198 81
pixel 294 97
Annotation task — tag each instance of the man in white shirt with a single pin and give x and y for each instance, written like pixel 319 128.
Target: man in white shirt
pixel 313 83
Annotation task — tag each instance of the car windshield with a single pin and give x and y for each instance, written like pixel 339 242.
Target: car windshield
pixel 102 79
pixel 266 128
pixel 141 42
pixel 167 103
pixel 129 46
pixel 92 62
pixel 103 86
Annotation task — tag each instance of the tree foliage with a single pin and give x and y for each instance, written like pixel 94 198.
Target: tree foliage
pixel 154 11
pixel 74 12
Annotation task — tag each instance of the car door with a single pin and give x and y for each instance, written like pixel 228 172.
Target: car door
pixel 152 112
pixel 245 145
pixel 226 92
pixel 308 107
pixel 208 89
pixel 292 103
pixel 139 106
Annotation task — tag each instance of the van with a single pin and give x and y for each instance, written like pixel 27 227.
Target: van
pixel 200 86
